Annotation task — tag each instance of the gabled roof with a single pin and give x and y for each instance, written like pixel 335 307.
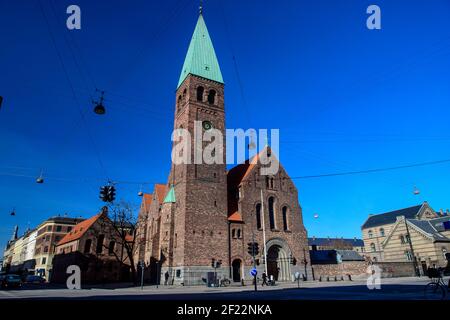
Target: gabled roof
pixel 235 176
pixel 240 172
pixel 79 230
pixel 426 228
pixel 147 200
pixel 160 191
pixel 201 58
pixel 330 241
pixel 390 217
pixel 440 223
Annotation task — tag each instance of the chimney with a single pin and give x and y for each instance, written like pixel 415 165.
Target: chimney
pixel 105 211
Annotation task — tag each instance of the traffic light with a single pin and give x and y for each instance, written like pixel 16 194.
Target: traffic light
pixel 111 193
pixel 104 193
pixel 250 248
pixel 108 193
pixel 253 248
pixel 256 248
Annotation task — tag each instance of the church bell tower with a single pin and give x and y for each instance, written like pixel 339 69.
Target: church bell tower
pixel 199 230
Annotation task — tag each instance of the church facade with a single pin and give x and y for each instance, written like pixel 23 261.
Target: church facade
pixel 206 213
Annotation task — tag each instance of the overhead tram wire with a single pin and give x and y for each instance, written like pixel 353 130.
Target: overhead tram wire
pixel 77 103
pixel 317 176
pixel 235 65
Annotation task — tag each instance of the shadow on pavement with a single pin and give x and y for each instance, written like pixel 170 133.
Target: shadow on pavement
pixel 355 292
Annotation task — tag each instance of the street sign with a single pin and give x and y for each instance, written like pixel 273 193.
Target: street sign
pixel 253 272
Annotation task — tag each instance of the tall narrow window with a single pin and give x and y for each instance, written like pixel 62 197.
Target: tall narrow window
pixel 184 94
pixel 258 216
pixel 285 218
pixel 100 240
pixel 372 247
pixel 239 233
pixel 271 213
pixel 179 104
pixel 408 256
pixel 87 246
pixel 111 246
pixel 212 96
pixel 382 232
pixel 200 91
pixel 233 233
pixel 267 182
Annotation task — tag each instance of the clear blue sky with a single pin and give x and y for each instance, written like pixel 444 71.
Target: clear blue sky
pixel 344 98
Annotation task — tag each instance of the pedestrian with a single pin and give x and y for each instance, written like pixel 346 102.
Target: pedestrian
pixel 264 278
pixel 166 278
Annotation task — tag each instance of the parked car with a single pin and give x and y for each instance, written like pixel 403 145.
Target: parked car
pixel 34 279
pixel 10 281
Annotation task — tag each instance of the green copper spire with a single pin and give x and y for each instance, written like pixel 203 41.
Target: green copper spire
pixel 170 196
pixel 201 59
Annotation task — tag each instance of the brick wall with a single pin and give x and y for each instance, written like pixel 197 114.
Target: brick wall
pixel 354 268
pixel 396 269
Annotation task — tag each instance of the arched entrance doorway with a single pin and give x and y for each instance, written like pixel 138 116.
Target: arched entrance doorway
pixel 236 264
pixel 278 260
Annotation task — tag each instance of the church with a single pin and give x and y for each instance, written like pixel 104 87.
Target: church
pixel 205 213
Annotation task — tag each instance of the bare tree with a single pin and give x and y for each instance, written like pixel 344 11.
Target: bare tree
pixel 122 226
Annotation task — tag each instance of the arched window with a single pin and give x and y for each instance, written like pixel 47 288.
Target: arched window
pixel 382 232
pixel 372 247
pixel 184 94
pixel 370 233
pixel 200 91
pixel 258 216
pixel 111 246
pixel 402 239
pixel 239 233
pixel 271 183
pixel 87 246
pixel 211 96
pixel 233 233
pixel 271 212
pixel 267 182
pixel 285 218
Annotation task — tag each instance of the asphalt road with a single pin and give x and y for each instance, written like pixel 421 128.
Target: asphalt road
pixel 391 289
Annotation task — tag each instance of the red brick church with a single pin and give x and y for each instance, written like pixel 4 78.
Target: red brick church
pixel 205 212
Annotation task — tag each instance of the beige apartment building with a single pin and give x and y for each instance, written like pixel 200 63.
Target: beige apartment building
pixel 414 234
